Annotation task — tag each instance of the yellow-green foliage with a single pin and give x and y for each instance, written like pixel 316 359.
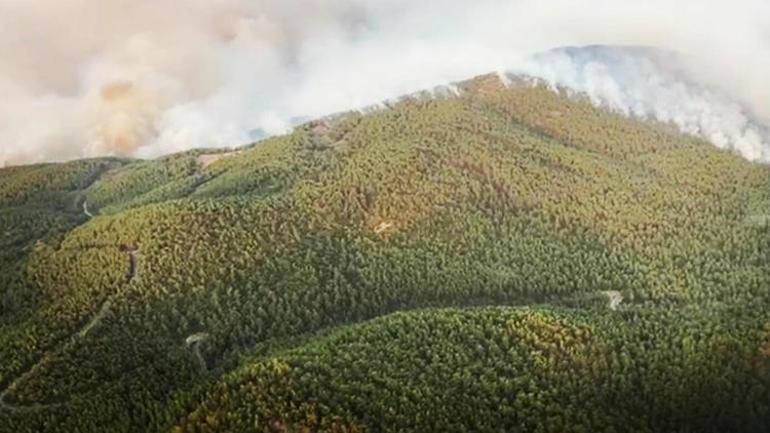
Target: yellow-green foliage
pixel 504 369
pixel 502 196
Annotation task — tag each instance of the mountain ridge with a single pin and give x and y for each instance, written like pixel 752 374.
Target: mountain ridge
pixel 513 197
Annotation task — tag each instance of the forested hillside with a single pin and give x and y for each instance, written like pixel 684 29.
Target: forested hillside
pixel 509 259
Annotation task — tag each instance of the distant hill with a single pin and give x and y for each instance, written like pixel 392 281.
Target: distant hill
pixel 505 259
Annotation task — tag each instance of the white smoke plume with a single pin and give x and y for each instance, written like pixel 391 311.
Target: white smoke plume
pixel 653 84
pixel 146 77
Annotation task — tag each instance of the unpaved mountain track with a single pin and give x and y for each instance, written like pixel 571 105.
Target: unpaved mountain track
pixel 194 342
pixel 133 274
pixel 133 264
pixel 614 299
pixel 95 320
pixel 85 209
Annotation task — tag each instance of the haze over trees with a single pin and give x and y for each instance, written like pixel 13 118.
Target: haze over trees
pixel 440 265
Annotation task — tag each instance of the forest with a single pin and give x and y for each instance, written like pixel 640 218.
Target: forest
pixel 507 259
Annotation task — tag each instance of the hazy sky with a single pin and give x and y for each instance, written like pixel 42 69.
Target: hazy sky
pixel 146 77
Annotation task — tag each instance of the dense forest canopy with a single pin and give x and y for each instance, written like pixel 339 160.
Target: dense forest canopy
pixel 508 259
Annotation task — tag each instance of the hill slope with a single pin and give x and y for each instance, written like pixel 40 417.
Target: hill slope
pixel 202 292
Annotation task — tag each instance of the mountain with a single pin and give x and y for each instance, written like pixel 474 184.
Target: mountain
pixel 509 258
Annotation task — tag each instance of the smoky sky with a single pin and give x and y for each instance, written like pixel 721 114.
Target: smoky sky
pixel 142 78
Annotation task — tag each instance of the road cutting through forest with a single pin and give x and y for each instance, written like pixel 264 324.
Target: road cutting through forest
pixel 133 273
pixel 614 297
pixel 85 209
pixel 194 342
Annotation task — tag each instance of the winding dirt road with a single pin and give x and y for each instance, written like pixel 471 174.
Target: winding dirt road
pixel 614 299
pixel 29 373
pixel 85 209
pixel 194 342
pixel 133 274
pixel 134 260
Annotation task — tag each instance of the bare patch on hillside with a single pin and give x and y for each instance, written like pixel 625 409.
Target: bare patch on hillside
pixel 383 227
pixel 207 159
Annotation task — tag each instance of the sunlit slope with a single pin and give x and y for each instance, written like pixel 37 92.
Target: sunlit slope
pixel 506 369
pixel 501 196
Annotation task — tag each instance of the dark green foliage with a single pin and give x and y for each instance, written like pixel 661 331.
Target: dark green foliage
pixel 142 182
pixel 506 369
pixel 498 197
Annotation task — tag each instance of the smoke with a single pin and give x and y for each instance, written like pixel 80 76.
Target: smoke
pixel 653 84
pixel 147 77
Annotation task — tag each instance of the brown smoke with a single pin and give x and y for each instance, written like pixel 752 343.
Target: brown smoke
pixel 146 77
